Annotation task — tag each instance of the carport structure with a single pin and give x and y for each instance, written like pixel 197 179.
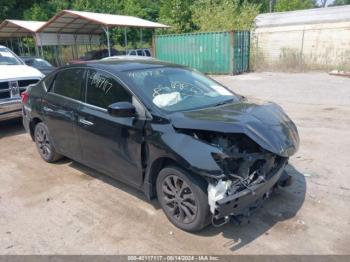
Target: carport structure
pixel 87 23
pixel 16 29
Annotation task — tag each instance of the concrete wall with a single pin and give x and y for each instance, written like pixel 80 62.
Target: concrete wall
pixel 323 46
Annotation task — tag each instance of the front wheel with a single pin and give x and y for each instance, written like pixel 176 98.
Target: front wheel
pixel 183 198
pixel 44 144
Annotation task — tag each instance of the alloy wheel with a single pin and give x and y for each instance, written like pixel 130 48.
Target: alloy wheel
pixel 43 142
pixel 179 199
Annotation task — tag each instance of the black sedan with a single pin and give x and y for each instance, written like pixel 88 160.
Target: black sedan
pixel 206 153
pixel 41 64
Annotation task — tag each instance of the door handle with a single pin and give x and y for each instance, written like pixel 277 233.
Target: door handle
pixel 85 122
pixel 47 109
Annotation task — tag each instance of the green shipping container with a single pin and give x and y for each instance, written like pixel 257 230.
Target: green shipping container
pixel 208 52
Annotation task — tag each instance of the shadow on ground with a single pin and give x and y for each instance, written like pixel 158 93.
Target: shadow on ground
pixel 107 179
pixel 11 127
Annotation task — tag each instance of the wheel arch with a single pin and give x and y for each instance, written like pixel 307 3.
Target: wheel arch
pixel 32 125
pixel 152 174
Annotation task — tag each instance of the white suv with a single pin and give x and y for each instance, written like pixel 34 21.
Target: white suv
pixel 15 77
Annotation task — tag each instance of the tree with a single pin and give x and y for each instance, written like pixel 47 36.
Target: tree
pixel 220 15
pixel 45 9
pixel 177 14
pixel 13 9
pixel 291 5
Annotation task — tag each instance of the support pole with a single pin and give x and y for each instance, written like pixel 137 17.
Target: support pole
pixel 75 47
pixel 11 45
pixel 90 37
pixel 41 45
pixel 19 46
pixel 36 45
pixel 28 49
pixel 125 39
pixel 58 50
pixel 141 36
pixel 106 29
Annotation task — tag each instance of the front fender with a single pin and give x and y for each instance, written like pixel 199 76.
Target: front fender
pixel 195 155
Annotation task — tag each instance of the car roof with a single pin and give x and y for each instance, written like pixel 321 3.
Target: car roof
pixel 120 65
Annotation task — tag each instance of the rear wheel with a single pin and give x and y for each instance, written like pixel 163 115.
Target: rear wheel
pixel 183 199
pixel 44 143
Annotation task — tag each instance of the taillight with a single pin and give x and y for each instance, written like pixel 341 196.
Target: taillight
pixel 24 96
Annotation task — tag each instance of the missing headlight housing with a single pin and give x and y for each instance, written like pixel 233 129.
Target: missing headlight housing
pixel 241 160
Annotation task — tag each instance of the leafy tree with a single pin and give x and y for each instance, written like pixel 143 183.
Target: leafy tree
pixel 178 14
pixel 13 9
pixel 290 5
pixel 44 10
pixel 220 15
pixel 101 6
pixel 146 9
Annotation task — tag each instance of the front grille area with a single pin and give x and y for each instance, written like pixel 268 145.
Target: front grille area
pixel 27 82
pixel 4 85
pixel 5 94
pixel 5 91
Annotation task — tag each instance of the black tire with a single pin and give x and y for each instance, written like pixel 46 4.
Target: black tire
pixel 183 198
pixel 44 145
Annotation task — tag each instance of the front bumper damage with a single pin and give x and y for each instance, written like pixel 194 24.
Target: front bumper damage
pixel 225 206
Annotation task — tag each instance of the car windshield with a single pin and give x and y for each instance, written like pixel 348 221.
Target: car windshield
pixel 8 58
pixel 178 89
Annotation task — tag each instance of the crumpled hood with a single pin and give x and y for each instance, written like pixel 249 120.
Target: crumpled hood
pixel 15 72
pixel 264 122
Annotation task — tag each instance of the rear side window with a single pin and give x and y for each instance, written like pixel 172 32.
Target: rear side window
pixel 139 53
pixel 48 80
pixel 69 82
pixel 147 52
pixel 103 90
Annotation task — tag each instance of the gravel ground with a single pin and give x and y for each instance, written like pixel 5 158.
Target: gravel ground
pixel 66 208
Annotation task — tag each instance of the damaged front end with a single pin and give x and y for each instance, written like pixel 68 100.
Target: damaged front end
pixel 250 174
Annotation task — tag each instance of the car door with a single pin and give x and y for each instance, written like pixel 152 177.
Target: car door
pixel 110 144
pixel 59 108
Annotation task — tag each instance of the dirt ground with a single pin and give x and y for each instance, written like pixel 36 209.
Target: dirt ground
pixel 66 208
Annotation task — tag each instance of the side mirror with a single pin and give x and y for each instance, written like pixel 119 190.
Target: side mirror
pixel 121 109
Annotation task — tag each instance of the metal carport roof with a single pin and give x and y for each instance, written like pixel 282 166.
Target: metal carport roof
pixel 18 28
pixel 74 23
pixel 78 22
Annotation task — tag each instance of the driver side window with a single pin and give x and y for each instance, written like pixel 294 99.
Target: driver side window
pixel 103 90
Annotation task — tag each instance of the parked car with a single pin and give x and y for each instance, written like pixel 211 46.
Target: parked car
pixel 139 52
pixel 96 55
pixel 15 77
pixel 37 62
pixel 127 57
pixel 204 151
